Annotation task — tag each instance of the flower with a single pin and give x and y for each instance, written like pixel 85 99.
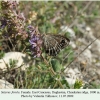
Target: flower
pixel 3 23
pixel 35 41
pixel 12 21
pixel 12 25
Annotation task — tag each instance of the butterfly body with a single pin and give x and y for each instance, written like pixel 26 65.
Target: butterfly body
pixel 54 43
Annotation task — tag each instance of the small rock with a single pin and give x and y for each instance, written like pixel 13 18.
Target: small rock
pixel 68 29
pixel 5 85
pixel 72 44
pixel 22 60
pixel 72 75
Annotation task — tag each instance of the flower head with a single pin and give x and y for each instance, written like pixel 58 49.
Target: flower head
pixel 3 23
pixel 12 21
pixel 35 41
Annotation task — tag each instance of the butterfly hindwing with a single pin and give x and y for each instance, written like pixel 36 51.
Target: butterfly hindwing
pixel 54 43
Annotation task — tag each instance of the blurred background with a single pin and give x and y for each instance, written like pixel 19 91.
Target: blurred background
pixel 75 67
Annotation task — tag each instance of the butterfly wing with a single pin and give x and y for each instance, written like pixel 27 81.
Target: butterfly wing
pixel 54 43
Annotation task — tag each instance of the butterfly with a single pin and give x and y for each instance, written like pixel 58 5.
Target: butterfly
pixel 54 43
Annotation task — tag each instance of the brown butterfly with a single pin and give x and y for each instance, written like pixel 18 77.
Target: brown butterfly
pixel 54 43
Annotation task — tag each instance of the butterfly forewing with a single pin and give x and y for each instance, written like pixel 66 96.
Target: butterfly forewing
pixel 54 43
